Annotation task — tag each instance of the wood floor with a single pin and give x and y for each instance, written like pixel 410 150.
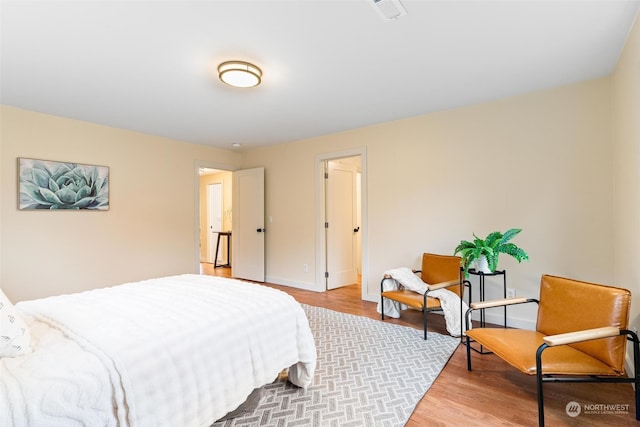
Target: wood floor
pixel 494 393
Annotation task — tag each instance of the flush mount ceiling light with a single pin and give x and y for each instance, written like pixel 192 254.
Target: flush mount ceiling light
pixel 239 74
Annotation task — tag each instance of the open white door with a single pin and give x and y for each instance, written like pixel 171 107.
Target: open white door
pixel 247 239
pixel 341 225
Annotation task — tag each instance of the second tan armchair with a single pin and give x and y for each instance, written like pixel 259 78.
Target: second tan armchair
pixel 581 336
pixel 438 272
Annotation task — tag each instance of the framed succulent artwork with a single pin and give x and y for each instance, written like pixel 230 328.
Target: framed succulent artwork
pixel 46 184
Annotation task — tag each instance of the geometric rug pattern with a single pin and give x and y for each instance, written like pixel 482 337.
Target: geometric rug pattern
pixel 369 373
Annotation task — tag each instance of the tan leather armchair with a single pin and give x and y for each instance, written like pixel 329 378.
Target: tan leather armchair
pixel 581 336
pixel 438 271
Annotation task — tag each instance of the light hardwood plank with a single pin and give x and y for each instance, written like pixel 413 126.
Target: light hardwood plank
pixel 493 394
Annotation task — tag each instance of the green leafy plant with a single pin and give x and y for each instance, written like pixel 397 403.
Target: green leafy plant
pixel 491 247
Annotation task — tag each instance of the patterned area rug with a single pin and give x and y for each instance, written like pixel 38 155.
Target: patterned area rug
pixel 369 373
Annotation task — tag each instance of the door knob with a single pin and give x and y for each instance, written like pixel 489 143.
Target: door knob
pixel 261 230
pixel 355 230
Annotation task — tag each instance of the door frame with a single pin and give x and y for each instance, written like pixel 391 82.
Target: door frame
pixel 320 209
pixel 339 275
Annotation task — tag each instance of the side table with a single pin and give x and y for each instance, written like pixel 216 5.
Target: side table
pixel 226 234
pixel 481 280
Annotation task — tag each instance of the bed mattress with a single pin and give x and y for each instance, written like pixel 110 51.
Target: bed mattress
pixel 172 351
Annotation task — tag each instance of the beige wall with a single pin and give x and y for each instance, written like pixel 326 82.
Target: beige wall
pixel 541 162
pixel 149 231
pixel 224 178
pixel 2 195
pixel 626 145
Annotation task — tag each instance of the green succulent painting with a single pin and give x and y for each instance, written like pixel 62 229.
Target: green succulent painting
pixel 57 185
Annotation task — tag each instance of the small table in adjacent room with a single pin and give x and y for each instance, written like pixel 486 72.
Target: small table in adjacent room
pixel 226 234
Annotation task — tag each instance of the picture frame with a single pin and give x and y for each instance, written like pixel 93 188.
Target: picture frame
pixel 55 185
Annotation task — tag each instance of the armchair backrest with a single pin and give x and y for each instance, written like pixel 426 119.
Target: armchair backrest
pixel 441 268
pixel 568 305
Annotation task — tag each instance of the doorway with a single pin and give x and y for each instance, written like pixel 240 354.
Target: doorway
pixel 342 220
pixel 215 207
pixel 241 189
pixel 342 224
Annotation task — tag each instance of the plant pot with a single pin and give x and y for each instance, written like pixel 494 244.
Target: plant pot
pixel 482 265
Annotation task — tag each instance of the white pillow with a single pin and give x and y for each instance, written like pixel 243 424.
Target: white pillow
pixel 14 333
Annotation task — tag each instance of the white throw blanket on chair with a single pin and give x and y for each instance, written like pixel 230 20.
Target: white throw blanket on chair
pixel 449 301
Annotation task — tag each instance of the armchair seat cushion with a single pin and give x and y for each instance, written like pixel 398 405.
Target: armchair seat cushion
pixel 410 298
pixel 515 347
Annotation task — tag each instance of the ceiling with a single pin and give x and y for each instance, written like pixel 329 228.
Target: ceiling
pixel 328 66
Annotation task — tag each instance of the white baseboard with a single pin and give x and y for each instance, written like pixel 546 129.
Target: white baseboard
pixel 497 319
pixel 628 366
pixel 299 285
pixel 494 318
pixel 372 298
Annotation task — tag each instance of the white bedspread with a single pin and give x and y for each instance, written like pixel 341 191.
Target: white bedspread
pixel 176 351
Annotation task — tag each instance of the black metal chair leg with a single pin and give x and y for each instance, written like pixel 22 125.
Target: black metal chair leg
pixel 636 366
pixel 468 354
pixel 467 322
pixel 424 315
pixel 539 384
pixel 540 402
pixel 637 391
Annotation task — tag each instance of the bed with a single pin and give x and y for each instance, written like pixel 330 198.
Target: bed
pixel 173 351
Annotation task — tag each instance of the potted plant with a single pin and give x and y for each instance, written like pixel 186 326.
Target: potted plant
pixel 485 252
